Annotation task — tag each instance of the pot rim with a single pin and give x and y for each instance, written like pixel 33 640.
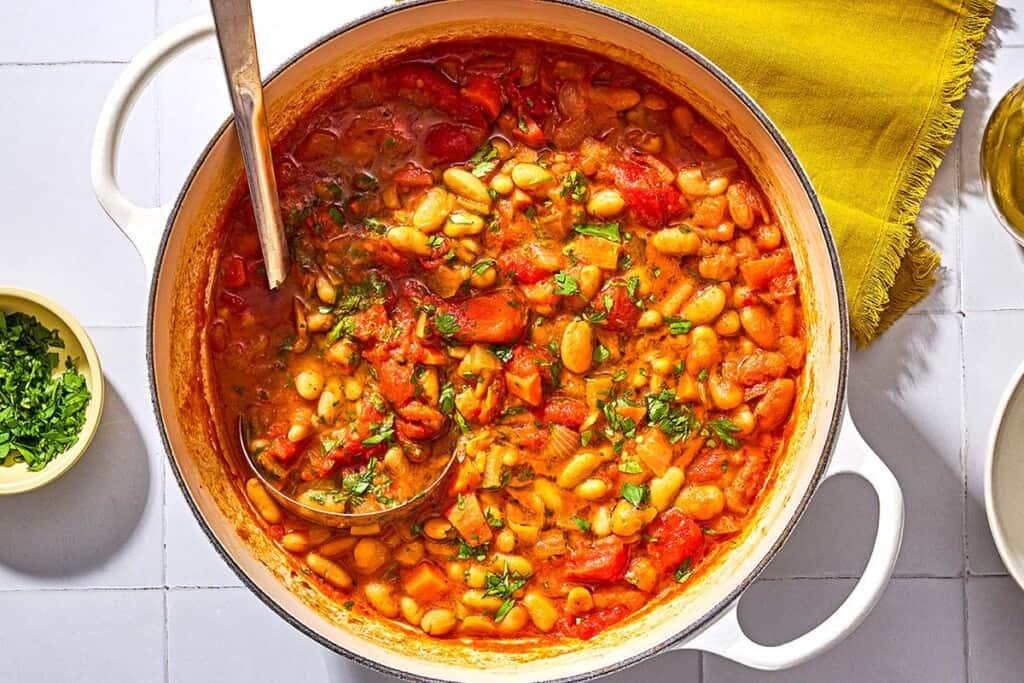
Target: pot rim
pixel 844 342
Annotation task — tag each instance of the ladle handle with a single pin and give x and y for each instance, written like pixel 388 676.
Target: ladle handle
pixel 237 40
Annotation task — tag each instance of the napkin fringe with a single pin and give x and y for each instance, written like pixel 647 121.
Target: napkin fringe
pixel 904 255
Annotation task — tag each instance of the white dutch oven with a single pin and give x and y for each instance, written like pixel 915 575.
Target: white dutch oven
pixel 180 245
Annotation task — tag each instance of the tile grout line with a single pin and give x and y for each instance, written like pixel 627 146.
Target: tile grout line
pixel 68 62
pixel 967 638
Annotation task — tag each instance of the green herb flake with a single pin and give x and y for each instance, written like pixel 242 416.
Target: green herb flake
pixel 630 467
pixel 446 400
pixel 636 494
pixel 678 326
pixel 574 185
pixel 484 160
pixel 446 324
pixel 583 524
pixel 41 414
pixel 684 571
pixel 601 353
pixel 607 231
pixel 566 285
pixel 724 428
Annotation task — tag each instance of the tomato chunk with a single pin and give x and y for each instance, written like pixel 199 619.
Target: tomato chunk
pixel 588 625
pixel 622 313
pixel 760 273
pixel 674 539
pixel 485 93
pixel 497 317
pixel 652 200
pixel 603 561
pixel 523 269
pixel 451 142
pixel 413 175
pixel 282 450
pixel 234 271
pixel 569 412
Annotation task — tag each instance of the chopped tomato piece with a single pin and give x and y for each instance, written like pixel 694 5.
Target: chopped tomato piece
pixel 674 539
pixel 413 175
pixel 498 317
pixel 602 561
pixel 234 271
pixel 451 142
pixel 525 129
pixel 485 93
pixel 759 273
pixel 570 412
pixel 468 519
pixel 523 269
pixel 282 450
pixel 425 582
pixel 652 200
pixel 371 323
pixel 622 313
pixel 588 625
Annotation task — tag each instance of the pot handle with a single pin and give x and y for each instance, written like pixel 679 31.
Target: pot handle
pixel 725 635
pixel 141 225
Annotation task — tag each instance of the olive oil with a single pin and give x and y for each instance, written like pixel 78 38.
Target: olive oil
pixel 1002 160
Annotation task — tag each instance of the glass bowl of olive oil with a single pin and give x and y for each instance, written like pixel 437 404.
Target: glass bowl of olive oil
pixel 1002 161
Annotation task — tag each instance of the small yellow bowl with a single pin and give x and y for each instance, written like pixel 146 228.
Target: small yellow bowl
pixel 16 477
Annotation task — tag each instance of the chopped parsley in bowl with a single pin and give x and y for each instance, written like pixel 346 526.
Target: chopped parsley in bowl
pixel 51 390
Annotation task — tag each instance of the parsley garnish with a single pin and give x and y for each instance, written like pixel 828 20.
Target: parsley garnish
pixel 574 185
pixel 504 586
pixel 630 467
pixel 446 401
pixel 504 353
pixel 636 494
pixel 683 573
pixel 676 423
pixel 484 160
pixel 382 432
pixel 446 324
pixel 608 231
pixel 724 428
pixel 583 524
pixel 678 326
pixel 566 285
pixel 468 552
pixel 41 413
pixel 601 353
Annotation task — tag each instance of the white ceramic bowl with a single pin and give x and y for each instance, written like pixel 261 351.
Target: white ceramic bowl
pixel 1004 477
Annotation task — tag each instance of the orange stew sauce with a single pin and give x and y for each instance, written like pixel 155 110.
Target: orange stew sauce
pixel 544 257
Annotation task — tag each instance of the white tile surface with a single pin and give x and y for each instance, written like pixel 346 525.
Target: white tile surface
pixel 227 634
pixel 57 30
pixel 914 634
pixel 905 398
pixel 991 358
pixel 96 636
pixel 101 523
pixel 191 559
pixel 995 629
pixel 56 238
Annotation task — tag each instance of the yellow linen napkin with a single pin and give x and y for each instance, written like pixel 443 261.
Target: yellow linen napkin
pixel 864 90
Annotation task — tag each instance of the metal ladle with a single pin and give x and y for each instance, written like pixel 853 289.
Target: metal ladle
pixel 237 41
pixel 351 519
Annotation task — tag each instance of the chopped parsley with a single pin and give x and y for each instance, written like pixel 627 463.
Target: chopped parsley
pixel 608 231
pixel 484 160
pixel 678 326
pixel 504 353
pixel 469 552
pixel 446 401
pixel 675 422
pixel 480 267
pixel 574 185
pixel 504 586
pixel 566 285
pixel 684 571
pixel 601 353
pixel 445 323
pixel 583 524
pixel 637 494
pixel 382 432
pixel 435 241
pixel 724 428
pixel 41 413
pixel 336 215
